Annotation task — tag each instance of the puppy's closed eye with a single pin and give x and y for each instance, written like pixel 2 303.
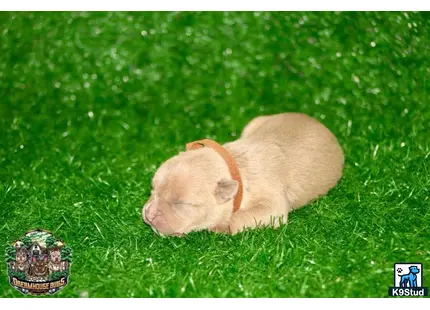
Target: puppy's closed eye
pixel 182 203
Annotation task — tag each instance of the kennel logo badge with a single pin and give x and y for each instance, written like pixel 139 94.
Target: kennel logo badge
pixel 38 263
pixel 408 280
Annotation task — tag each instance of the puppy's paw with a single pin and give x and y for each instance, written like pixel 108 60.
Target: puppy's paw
pixel 220 229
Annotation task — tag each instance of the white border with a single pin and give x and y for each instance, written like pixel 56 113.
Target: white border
pixel 220 303
pixel 218 5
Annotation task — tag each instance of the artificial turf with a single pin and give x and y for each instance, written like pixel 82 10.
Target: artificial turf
pixel 92 103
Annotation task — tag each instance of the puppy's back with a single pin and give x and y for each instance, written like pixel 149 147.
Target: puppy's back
pixel 309 159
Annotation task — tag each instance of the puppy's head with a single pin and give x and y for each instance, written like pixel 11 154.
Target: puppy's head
pixel 191 191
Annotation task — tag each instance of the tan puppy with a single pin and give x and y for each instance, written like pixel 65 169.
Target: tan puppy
pixel 285 161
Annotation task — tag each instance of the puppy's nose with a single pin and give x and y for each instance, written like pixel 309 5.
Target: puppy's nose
pixel 151 213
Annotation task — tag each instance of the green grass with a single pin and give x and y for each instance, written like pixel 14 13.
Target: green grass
pixel 90 108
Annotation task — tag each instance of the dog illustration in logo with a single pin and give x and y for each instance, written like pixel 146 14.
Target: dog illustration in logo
pixel 39 267
pixel 35 250
pixel 22 264
pixel 55 263
pixel 410 278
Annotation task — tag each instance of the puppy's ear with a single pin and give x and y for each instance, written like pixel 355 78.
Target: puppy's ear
pixel 226 190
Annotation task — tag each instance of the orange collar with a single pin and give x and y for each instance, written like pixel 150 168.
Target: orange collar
pixel 232 167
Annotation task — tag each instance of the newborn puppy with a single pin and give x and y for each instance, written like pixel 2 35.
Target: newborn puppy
pixel 282 162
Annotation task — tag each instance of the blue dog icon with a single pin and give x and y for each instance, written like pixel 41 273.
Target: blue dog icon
pixel 410 278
